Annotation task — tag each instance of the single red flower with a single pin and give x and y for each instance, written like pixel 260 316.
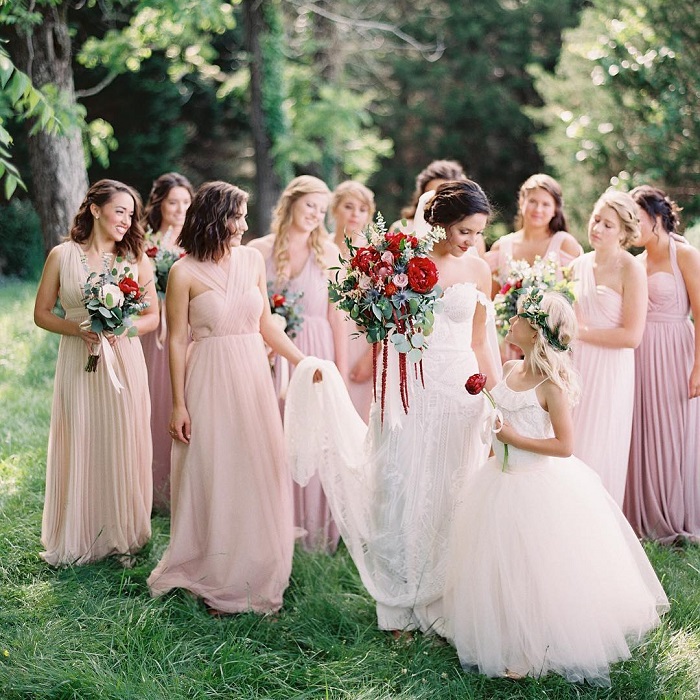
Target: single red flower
pixel 277 300
pixel 390 289
pixel 152 251
pixel 394 242
pixel 505 288
pixel 129 286
pixel 422 274
pixel 363 259
pixel 518 284
pixel 475 384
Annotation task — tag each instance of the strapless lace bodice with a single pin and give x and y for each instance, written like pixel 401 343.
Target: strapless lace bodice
pixel 523 412
pixel 449 360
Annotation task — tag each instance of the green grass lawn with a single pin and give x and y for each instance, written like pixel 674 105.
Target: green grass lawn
pixel 94 632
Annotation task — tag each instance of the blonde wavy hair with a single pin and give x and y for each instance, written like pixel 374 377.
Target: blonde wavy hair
pixel 627 211
pixel 282 219
pixel 545 359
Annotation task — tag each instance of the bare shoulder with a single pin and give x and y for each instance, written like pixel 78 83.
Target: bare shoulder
pixel 688 256
pixel 331 253
pixel 263 244
pixel 570 245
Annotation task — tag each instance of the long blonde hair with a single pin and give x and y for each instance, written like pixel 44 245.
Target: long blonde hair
pixel 282 219
pixel 547 360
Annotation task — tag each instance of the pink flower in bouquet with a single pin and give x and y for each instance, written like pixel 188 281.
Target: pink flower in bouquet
pixel 422 274
pixel 401 280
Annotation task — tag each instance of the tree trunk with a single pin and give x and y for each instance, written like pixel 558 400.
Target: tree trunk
pixel 57 162
pixel 267 185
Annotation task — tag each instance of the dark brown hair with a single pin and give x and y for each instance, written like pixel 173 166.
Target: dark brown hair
pixel 153 216
pixel 99 194
pixel 656 202
pixel 206 234
pixel 540 181
pixel 454 201
pixel 437 170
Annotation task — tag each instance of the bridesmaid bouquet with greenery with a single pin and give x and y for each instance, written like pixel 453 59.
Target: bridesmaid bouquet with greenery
pixel 389 288
pixel 545 274
pixel 111 299
pixel 162 260
pixel 286 305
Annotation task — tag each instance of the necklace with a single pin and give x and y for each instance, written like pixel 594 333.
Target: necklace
pixel 106 262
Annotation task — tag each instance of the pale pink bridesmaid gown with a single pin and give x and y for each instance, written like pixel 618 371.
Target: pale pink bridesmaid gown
pixel 603 417
pixel 312 513
pixel 231 530
pixel 662 501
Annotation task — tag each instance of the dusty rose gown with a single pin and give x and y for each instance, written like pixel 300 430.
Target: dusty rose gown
pixel 231 532
pixel 499 269
pixel 311 510
pixel 98 467
pixel 603 417
pixel 662 501
pixel 157 363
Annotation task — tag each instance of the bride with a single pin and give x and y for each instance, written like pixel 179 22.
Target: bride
pixel 392 485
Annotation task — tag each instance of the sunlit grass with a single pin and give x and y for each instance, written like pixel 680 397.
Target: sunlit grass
pixel 94 632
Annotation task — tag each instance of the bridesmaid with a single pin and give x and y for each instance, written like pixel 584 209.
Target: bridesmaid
pixel 662 501
pixel 542 231
pixel 164 216
pixel 297 255
pixel 352 209
pixel 231 531
pixel 611 301
pixel 430 178
pixel 98 467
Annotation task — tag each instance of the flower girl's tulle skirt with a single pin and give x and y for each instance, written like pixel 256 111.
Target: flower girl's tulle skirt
pixel 545 574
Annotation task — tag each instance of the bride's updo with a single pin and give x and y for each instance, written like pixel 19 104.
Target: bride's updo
pixel 454 201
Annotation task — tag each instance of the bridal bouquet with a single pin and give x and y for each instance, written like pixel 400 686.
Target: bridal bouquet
pixel 388 287
pixel 111 299
pixel 286 305
pixel 544 274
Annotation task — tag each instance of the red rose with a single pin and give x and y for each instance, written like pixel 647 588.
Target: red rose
pixel 390 289
pixel 394 242
pixel 518 284
pixel 277 300
pixel 152 252
pixel 505 288
pixel 182 255
pixel 475 383
pixel 422 274
pixel 129 286
pixel 412 240
pixel 364 258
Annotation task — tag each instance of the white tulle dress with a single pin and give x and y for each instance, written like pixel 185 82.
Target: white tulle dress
pixel 392 488
pixel 546 575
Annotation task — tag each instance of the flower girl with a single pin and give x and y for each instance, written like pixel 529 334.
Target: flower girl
pixel 545 573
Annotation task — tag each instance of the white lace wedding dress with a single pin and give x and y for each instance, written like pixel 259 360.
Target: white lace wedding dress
pixel 392 488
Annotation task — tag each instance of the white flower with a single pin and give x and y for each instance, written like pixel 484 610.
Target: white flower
pixel 111 296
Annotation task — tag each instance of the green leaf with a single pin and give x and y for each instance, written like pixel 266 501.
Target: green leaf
pixel 106 312
pixel 415 355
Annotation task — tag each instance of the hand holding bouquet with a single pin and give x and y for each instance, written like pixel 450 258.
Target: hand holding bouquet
pixel 389 289
pixel 476 384
pixel 111 299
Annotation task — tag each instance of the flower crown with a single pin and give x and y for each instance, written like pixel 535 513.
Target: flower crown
pixel 531 311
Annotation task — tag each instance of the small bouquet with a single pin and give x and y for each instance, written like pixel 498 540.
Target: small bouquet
pixel 476 384
pixel 544 274
pixel 286 305
pixel 162 260
pixel 389 289
pixel 111 300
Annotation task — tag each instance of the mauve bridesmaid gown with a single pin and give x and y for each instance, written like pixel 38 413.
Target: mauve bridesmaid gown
pixel 662 501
